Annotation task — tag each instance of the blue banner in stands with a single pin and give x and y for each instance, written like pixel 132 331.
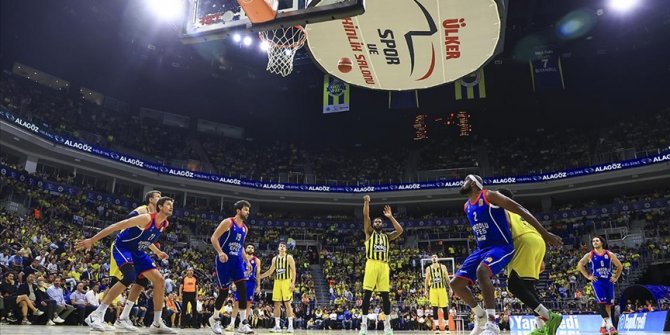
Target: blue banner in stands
pixel 570 322
pixel 453 183
pixel 643 322
pixel 94 197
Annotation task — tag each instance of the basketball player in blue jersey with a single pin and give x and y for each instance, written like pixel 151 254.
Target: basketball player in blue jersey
pixel 123 322
pixel 602 279
pixel 137 233
pixel 232 264
pixel 253 286
pixel 485 210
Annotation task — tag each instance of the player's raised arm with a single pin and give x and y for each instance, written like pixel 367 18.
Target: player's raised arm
pixel 367 223
pixel 258 275
pixel 581 267
pixel 396 225
pixel 618 265
pixel 223 227
pixel 500 200
pixel 270 271
pixel 139 221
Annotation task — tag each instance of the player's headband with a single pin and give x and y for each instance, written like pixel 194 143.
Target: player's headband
pixel 474 180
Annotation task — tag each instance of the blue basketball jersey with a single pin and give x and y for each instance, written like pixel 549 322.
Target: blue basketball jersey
pixel 489 222
pixel 232 241
pixel 601 265
pixel 134 238
pixel 252 276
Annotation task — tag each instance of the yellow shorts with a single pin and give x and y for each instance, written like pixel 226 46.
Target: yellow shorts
pixel 376 276
pixel 438 297
pixel 282 290
pixel 114 270
pixel 529 250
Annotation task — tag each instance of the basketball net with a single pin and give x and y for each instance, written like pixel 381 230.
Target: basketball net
pixel 282 45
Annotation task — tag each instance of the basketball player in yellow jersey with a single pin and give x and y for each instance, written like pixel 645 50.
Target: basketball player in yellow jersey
pixel 525 267
pixel 123 322
pixel 284 285
pixel 377 271
pixel 437 279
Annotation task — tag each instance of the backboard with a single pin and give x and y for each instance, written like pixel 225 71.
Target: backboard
pixel 215 19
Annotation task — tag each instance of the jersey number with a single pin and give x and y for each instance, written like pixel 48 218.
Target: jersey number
pixel 239 236
pixel 602 263
pixel 475 215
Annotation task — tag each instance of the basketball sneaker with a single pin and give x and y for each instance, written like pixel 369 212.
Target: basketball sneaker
pixel 553 323
pixel 491 328
pixel 364 329
pixel 603 330
pixel 125 324
pixel 539 331
pixel 436 332
pixel 613 331
pixel 480 321
pixel 94 321
pixel 244 328
pixel 275 329
pixel 290 329
pixel 215 325
pixel 230 327
pixel 161 328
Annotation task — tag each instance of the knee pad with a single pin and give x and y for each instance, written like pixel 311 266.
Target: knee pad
pixel 514 283
pixel 129 276
pixel 144 282
pixel 603 311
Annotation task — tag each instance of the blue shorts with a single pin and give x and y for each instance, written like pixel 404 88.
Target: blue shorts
pixel 603 289
pixel 251 287
pixel 495 258
pixel 230 271
pixel 122 255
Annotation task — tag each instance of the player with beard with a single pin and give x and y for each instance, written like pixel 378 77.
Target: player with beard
pixel 485 210
pixel 137 233
pixel 377 270
pixel 231 264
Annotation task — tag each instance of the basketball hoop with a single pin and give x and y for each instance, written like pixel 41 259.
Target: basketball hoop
pixel 282 44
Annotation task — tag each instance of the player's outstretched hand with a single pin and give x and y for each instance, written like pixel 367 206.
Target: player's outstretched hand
pixel 553 240
pixel 593 278
pixel 258 289
pixel 366 198
pixel 163 255
pixel 613 280
pixel 223 257
pixel 84 244
pixel 387 211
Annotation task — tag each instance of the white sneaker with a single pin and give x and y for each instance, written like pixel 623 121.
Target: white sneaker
pixel 38 312
pixel 276 329
pixel 125 324
pixel 58 319
pixel 215 325
pixel 94 321
pixel 363 331
pixel 491 328
pixel 161 328
pixel 230 327
pixel 51 323
pixel 480 321
pixel 244 328
pixel 289 330
pixel 436 332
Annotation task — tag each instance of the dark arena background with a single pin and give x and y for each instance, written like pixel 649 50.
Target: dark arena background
pixel 105 103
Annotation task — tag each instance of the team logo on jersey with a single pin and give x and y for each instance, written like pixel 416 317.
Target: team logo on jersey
pixel 607 257
pixel 481 202
pixel 489 259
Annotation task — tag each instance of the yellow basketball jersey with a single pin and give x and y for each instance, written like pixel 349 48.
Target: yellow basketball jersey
pixel 377 247
pixel 519 226
pixel 282 268
pixel 437 277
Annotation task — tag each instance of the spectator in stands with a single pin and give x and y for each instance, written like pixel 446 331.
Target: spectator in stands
pixel 79 302
pixel 55 292
pixel 13 298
